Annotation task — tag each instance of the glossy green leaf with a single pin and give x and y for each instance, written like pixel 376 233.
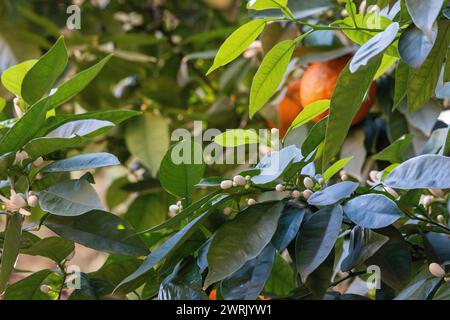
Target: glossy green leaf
pixel 414 46
pixel 397 151
pixel 333 194
pixel 420 288
pixel 424 13
pixel 281 281
pixel 336 167
pixel 147 138
pixel 320 279
pixel 237 137
pixel 10 248
pixel 237 43
pixel 232 245
pixel 316 239
pixel 182 168
pixel 99 230
pixel 401 83
pixel 146 211
pixel 41 77
pixel 348 95
pixel 310 112
pixel 386 64
pixel 426 171
pixel 83 162
pixel 269 75
pixel 12 78
pixel 372 211
pixel 422 82
pixel 54 248
pixel 288 226
pixel 27 126
pixel 315 137
pixel 30 287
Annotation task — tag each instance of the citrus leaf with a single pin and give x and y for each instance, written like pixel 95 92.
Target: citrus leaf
pixel 310 112
pixel 83 162
pixel 12 78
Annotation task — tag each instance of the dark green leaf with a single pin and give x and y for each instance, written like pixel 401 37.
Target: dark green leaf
pixel 10 248
pixel 424 13
pixel 414 46
pixel 99 230
pixel 320 279
pixel 316 239
pixel 397 151
pixel 30 288
pixel 281 281
pixel 420 287
pixel 146 211
pixel 288 226
pixel 54 248
pixel 401 83
pixel 83 162
pixel 333 194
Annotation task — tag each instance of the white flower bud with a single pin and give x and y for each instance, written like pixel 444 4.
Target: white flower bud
pixel 21 156
pixel 307 193
pixel 174 208
pixel 321 181
pixel 427 200
pixel 248 178
pixel 392 192
pixel 227 211
pixel 447 279
pixel 373 175
pixel 45 288
pixel 179 203
pixel 18 200
pixel 436 270
pixel 438 193
pixel 251 202
pixel 422 217
pixel 296 194
pixel 344 177
pixel 226 184
pixel 342 173
pixel 308 182
pixel 279 188
pixel 441 219
pixel 234 184
pixel 38 162
pixel 239 180
pixel 32 201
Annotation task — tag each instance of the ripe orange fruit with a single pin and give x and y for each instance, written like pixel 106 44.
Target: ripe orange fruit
pixel 289 107
pixel 318 83
pixel 213 294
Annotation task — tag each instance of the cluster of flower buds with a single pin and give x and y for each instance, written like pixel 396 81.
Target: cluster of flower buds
pixel 22 155
pixel 18 202
pixel 238 181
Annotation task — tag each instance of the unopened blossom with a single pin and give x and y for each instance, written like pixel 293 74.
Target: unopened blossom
pixel 16 203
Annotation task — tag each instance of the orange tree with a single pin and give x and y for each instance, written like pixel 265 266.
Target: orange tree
pixel 334 204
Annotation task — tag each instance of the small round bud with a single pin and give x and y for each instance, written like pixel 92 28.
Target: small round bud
pixel 321 181
pixel 420 216
pixel 234 184
pixel 308 182
pixel 342 173
pixel 226 184
pixel 248 178
pixel 251 202
pixel 179 203
pixel 427 200
pixel 279 188
pixel 296 194
pixel 239 180
pixel 32 201
pixel 227 211
pixel 247 186
pixel 373 175
pixel 441 219
pixel 21 156
pixel 18 200
pixel 344 177
pixel 38 162
pixel 45 288
pixel 174 208
pixel 447 279
pixel 307 193
pixel 436 270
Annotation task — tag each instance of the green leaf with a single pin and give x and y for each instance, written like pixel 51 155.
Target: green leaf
pixel 316 239
pixel 2 104
pixel 10 248
pixel 27 126
pixel 447 67
pixel 147 138
pixel 99 230
pixel 426 171
pixel 237 137
pixel 397 151
pixel 386 64
pixel 401 83
pixel 70 198
pixel 372 211
pixel 310 112
pixel 83 162
pixel 12 78
pixel 54 248
pixel 422 82
pixel 424 14
pixel 364 243
pixel 320 279
pixel 420 288
pixel 414 46
pixel 248 282
pixel 30 287
pixel 180 172
pixel 237 43
pixel 269 75
pixel 232 245
pixel 41 77
pixel 271 4
pixel 375 46
pixel 146 211
pixel 288 226
pixel 69 135
pixel 281 281
pixel 348 95
pixel 115 194
pixel 315 136
pixel 335 168
pixel 185 283
pixel 333 194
